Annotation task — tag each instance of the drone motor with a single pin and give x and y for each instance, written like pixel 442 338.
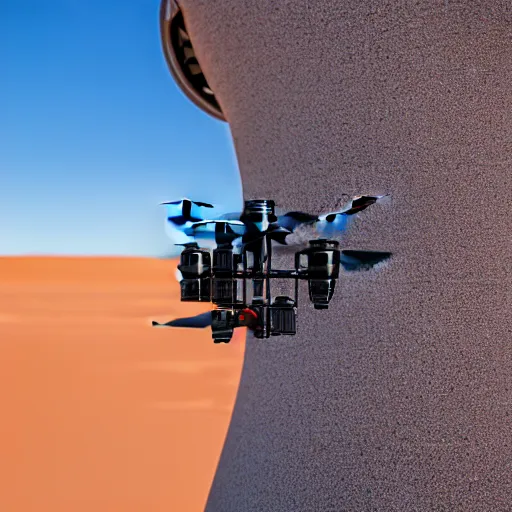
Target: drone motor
pixel 195 267
pixel 323 263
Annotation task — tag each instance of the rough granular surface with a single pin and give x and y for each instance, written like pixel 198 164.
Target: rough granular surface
pixel 399 397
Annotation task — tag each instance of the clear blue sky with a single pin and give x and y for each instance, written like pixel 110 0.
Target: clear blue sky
pixel 94 133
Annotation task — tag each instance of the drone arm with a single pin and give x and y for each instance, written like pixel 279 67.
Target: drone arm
pixel 199 321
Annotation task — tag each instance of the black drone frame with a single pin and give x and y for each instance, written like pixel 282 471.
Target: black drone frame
pixel 215 277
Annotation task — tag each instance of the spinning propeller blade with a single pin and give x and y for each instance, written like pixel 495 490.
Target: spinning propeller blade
pixel 360 203
pixel 336 221
pixel 222 231
pixel 362 260
pixel 205 205
pixel 180 201
pixel 356 205
pixel 230 216
pixel 293 220
pixel 217 222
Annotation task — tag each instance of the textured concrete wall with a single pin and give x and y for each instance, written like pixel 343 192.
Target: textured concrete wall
pixel 399 397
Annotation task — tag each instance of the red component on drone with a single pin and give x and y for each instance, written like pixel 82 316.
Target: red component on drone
pixel 248 318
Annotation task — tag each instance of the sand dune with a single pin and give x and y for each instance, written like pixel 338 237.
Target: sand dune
pixel 99 411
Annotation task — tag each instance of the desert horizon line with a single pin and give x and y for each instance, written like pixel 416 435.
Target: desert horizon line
pixel 86 256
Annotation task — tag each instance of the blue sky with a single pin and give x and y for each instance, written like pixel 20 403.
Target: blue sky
pixel 94 133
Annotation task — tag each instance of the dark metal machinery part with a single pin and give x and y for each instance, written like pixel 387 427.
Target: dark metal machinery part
pixel 223 323
pixel 215 279
pixel 195 267
pixel 225 262
pixel 323 270
pixel 283 316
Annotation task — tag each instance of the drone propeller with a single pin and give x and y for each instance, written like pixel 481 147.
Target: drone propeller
pixel 292 220
pixel 204 205
pixel 337 220
pixel 356 205
pixel 197 203
pixel 217 223
pixel 279 234
pixel 362 260
pixel 230 216
pixel 222 231
pixel 182 212
pixel 189 245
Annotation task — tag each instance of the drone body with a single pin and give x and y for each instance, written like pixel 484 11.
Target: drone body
pixel 243 253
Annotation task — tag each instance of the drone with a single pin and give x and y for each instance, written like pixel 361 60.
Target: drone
pixel 242 254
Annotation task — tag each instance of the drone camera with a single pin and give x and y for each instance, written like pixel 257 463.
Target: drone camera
pixel 195 267
pixel 283 313
pixel 323 259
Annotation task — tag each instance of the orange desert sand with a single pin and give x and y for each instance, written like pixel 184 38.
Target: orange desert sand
pixel 101 412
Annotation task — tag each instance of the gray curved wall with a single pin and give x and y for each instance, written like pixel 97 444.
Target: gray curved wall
pixel 399 397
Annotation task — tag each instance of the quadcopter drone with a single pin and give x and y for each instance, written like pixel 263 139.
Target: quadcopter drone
pixel 242 252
